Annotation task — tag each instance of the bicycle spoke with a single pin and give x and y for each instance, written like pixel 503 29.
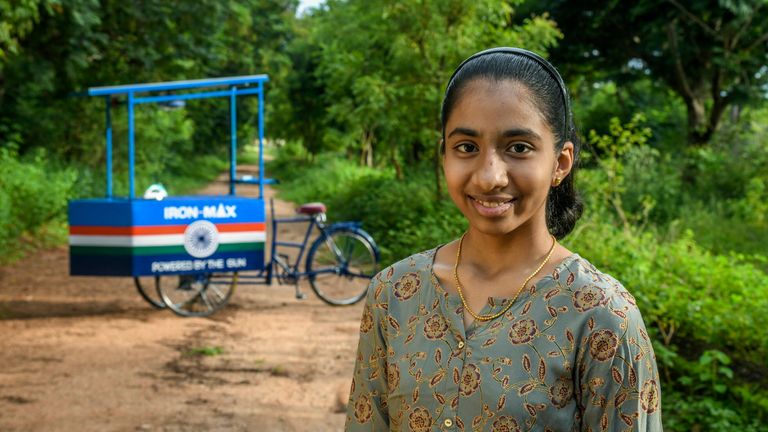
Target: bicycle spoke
pixel 337 266
pixel 198 295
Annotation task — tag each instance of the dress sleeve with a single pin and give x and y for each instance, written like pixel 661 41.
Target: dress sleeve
pixel 618 382
pixel 367 406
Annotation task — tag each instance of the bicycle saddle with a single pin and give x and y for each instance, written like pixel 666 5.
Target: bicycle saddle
pixel 311 208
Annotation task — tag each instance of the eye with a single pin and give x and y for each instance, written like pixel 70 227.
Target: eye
pixel 519 148
pixel 466 147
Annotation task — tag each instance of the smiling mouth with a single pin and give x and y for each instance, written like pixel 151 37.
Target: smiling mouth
pixel 492 208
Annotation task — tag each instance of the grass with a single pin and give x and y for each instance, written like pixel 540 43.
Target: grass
pixel 208 351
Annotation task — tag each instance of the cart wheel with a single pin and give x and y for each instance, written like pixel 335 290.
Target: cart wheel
pixel 145 286
pixel 197 294
pixel 340 265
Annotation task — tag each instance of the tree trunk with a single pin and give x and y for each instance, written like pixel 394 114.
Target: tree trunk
pixel 396 164
pixel 697 119
pixel 366 155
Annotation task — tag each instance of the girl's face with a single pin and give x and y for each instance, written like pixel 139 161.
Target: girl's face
pixel 500 159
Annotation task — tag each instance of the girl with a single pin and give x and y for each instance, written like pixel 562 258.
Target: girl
pixel 504 329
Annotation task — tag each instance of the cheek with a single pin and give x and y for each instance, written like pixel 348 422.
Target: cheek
pixel 455 178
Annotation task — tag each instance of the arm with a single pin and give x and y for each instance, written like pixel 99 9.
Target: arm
pixel 367 406
pixel 618 382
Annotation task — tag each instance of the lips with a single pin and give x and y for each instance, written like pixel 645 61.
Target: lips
pixel 492 207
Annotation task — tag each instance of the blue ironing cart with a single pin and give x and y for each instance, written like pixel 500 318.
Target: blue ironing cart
pixel 206 242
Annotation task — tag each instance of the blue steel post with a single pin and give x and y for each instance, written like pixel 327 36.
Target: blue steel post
pixel 130 146
pixel 233 137
pixel 261 139
pixel 108 100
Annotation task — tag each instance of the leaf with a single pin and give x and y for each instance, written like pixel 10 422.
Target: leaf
pixel 393 322
pixel 439 375
pixel 619 400
pixel 526 308
pixel 526 388
pixel 626 419
pixel 616 375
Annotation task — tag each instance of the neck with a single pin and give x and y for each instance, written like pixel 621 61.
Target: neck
pixel 494 254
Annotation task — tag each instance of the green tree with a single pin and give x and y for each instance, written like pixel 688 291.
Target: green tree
pixel 83 43
pixel 380 68
pixel 712 53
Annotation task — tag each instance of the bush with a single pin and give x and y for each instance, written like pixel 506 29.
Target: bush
pixel 403 216
pixel 33 193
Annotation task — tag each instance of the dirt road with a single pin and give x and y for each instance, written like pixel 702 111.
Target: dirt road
pixel 87 354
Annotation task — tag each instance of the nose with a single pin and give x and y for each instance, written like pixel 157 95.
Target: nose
pixel 491 172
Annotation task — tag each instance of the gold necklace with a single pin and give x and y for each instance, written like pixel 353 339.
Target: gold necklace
pixel 496 315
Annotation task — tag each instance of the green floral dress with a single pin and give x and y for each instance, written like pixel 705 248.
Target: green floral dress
pixel 572 354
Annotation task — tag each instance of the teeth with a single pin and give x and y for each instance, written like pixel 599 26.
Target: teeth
pixel 490 204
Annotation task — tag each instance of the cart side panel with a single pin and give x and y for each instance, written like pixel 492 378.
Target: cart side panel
pixel 177 235
pixel 94 247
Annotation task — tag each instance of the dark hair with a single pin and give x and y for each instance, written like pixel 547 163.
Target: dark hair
pixel 564 206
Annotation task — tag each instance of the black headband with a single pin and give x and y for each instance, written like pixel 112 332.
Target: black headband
pixel 540 61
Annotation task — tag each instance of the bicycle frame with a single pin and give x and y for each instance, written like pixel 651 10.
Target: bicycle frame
pixel 264 277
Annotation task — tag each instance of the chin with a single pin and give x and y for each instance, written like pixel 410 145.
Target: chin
pixel 498 228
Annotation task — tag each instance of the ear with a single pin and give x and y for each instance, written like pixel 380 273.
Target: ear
pixel 563 162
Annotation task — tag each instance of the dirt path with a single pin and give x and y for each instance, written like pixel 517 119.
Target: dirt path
pixel 87 354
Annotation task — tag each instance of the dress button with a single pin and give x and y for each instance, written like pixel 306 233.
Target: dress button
pixel 448 422
pixel 461 344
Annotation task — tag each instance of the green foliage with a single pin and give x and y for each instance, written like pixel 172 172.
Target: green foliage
pixel 33 193
pixel 711 54
pixel 598 99
pixel 17 18
pixel 375 72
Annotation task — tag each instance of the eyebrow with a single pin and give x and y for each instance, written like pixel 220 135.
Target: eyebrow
pixel 464 131
pixel 521 132
pixel 518 132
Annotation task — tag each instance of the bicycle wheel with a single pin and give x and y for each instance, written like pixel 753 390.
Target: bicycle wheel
pixel 340 264
pixel 197 294
pixel 144 286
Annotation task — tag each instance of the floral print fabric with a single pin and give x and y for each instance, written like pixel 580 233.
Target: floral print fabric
pixel 572 354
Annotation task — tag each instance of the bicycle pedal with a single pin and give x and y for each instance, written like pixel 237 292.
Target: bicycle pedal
pixel 301 296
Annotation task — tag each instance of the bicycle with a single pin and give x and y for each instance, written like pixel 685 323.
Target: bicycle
pixel 339 263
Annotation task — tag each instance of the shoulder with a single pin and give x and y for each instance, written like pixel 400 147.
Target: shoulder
pixel 601 299
pixel 595 287
pixel 405 278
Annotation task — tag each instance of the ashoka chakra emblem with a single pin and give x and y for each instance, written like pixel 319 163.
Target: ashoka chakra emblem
pixel 201 239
